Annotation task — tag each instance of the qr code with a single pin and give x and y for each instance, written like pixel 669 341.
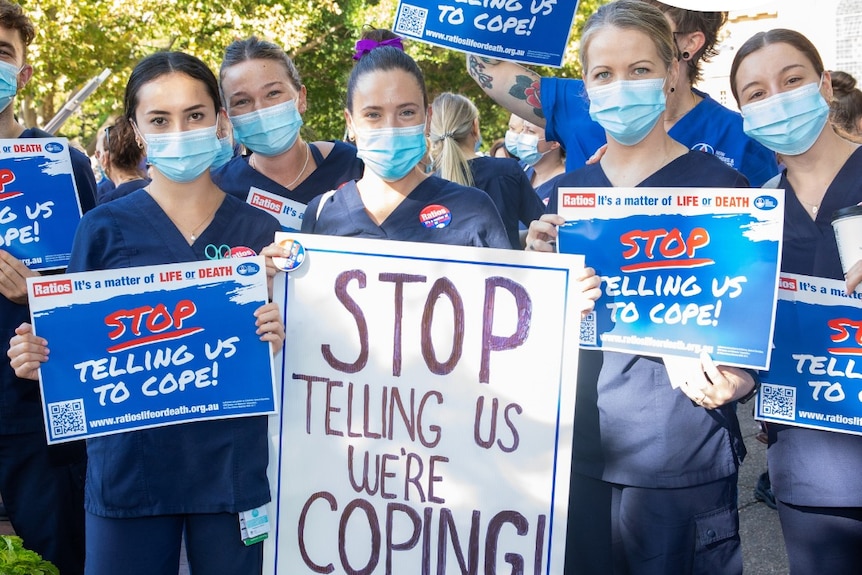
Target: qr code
pixel 67 418
pixel 411 20
pixel 778 401
pixel 588 329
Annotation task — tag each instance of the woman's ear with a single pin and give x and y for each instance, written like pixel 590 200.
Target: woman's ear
pixel 301 101
pixel 826 86
pixel 348 121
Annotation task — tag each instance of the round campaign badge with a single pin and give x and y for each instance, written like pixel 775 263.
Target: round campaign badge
pixel 242 252
pixel 435 216
pixel 294 260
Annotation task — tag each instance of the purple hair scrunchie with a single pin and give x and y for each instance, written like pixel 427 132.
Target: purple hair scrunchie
pixel 363 47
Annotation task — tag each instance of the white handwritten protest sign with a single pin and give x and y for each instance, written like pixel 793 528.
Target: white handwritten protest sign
pixel 147 346
pixel 39 207
pixel 427 409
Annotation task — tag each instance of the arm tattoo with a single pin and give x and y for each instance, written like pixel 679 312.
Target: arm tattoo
pixel 476 69
pixel 529 90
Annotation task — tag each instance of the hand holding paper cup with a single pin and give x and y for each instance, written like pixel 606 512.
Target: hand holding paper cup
pixel 847 223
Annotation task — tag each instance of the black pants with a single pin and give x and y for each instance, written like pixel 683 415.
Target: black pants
pixel 43 491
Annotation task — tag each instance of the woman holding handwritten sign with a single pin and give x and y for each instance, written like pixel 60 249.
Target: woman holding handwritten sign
pixel 148 489
pixel 783 90
pixel 655 468
pixel 387 113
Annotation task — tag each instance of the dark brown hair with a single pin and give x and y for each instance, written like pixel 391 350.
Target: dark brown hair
pixel 688 21
pixel 13 17
pixel 846 106
pixel 383 58
pixel 774 36
pixel 120 143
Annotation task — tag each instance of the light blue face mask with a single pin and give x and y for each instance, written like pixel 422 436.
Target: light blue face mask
pixel 268 131
pixel 391 152
pixel 628 109
pixel 8 84
pixel 511 142
pixel 183 156
pixel 787 123
pixel 225 152
pixel 528 149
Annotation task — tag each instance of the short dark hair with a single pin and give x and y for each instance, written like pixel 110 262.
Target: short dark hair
pixel 161 63
pixel 688 21
pixel 13 17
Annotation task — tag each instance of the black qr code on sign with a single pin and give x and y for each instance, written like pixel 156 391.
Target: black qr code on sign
pixel 588 329
pixel 67 418
pixel 411 20
pixel 778 401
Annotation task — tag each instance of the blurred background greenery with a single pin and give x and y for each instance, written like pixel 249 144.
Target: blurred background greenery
pixel 75 41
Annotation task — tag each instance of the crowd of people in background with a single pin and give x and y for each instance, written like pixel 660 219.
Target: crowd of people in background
pixel 654 469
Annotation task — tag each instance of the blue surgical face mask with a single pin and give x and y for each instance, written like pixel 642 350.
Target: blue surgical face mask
pixel 628 109
pixel 268 131
pixel 478 145
pixel 528 149
pixel 183 156
pixel 511 142
pixel 789 122
pixel 8 84
pixel 225 152
pixel 391 152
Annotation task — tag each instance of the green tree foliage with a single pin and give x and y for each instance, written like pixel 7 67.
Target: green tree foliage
pixel 77 40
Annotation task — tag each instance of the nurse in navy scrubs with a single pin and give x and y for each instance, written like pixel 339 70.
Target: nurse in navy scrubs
pixel 387 115
pixel 455 141
pixel 779 81
pixel 654 468
pixel 148 490
pixel 265 99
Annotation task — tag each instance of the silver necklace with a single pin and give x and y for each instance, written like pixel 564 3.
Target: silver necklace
pixel 289 186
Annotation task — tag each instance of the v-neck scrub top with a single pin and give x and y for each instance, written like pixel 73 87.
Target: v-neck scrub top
pixel 436 211
pixel 202 467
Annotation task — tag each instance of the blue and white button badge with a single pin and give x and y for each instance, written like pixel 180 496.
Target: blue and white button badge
pixel 294 260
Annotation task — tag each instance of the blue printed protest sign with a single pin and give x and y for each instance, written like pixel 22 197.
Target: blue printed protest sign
pixel 288 212
pixel 815 378
pixel 684 270
pixel 149 346
pixel 39 208
pixel 428 399
pixel 528 31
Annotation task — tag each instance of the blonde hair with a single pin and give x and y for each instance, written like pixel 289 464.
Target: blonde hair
pixel 452 117
pixel 631 15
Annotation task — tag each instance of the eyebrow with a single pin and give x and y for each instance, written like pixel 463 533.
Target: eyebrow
pixel 9 46
pixel 398 107
pixel 186 110
pixel 784 70
pixel 244 91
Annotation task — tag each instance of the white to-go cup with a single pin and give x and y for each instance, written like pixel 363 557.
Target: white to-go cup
pixel 847 223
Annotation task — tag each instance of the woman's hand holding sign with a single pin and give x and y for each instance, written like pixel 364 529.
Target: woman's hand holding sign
pixel 715 385
pixel 27 352
pixel 269 325
pixel 542 237
pixel 13 278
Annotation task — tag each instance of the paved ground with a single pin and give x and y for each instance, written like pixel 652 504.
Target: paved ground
pixel 763 547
